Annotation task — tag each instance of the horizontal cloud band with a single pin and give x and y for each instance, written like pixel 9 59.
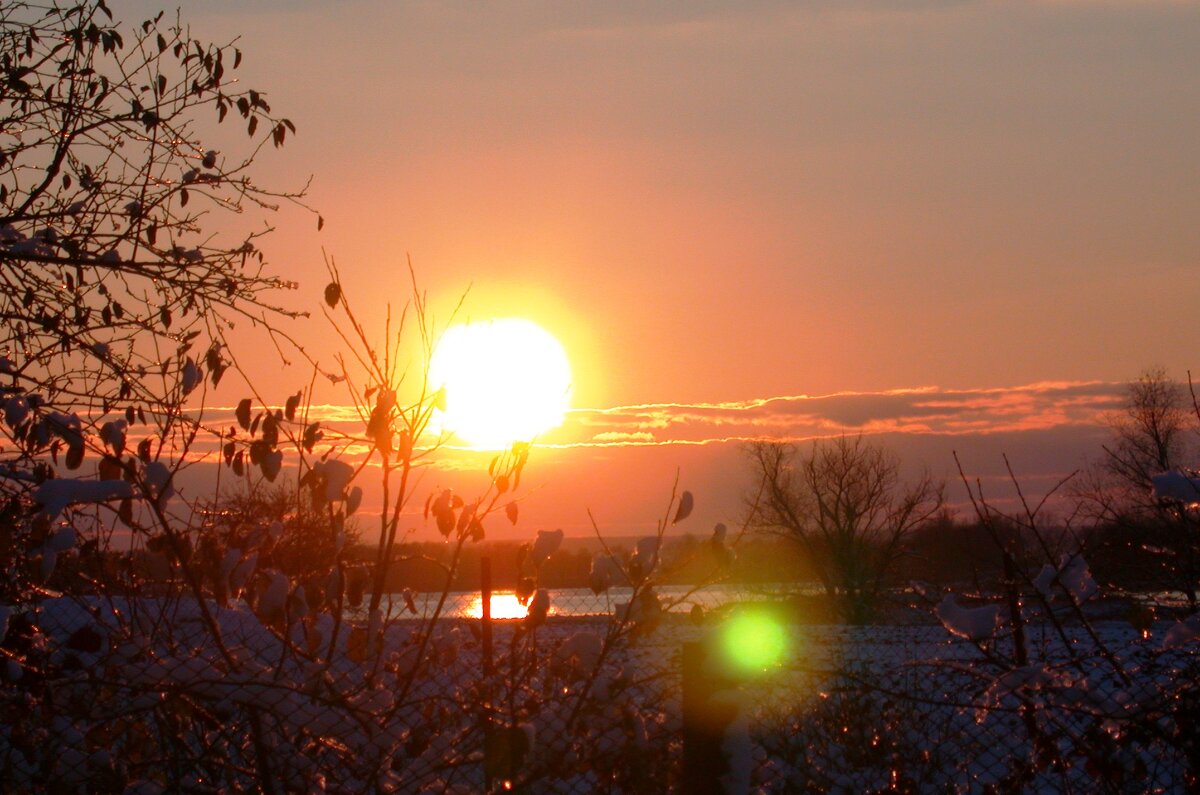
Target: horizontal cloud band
pixel 926 410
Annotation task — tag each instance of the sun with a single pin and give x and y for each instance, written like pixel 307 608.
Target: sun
pixel 506 380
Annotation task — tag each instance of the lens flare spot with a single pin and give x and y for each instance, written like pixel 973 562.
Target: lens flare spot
pixel 753 640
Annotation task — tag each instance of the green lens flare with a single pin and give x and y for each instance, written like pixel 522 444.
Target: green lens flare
pixel 754 641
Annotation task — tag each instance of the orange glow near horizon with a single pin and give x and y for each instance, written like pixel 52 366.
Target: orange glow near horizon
pixel 505 606
pixel 506 380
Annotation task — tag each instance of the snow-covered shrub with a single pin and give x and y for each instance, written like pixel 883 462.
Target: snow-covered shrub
pixel 120 294
pixel 1097 704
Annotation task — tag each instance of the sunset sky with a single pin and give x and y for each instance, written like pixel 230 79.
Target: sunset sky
pixel 958 225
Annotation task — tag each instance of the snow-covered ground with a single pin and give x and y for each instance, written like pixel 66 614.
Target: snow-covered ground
pixel 847 709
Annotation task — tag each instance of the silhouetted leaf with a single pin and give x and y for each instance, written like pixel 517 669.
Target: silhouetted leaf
pixel 74 456
pixel 525 588
pixel 242 413
pixel 216 366
pixel 445 522
pixel 270 428
pixel 290 406
pixel 110 468
pixel 312 435
pixel 193 376
pixel 271 463
pixel 684 509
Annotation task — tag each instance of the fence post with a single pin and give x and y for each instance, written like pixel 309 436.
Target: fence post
pixel 705 721
pixel 485 615
pixel 485 594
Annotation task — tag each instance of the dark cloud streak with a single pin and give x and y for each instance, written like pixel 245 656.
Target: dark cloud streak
pixel 927 410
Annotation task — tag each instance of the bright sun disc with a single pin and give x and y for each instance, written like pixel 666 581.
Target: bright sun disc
pixel 506 380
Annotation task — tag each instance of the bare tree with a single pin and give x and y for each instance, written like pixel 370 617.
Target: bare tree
pixel 122 271
pixel 1149 433
pixel 121 262
pixel 846 506
pixel 1149 437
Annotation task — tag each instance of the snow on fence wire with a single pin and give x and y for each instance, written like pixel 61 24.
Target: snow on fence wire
pixel 134 698
pixel 907 709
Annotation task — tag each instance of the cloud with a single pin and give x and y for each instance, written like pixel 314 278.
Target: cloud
pixel 621 461
pixel 618 436
pixel 925 410
pixel 922 411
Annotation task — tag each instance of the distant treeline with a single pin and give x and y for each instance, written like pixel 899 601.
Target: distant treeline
pixel 945 552
pixel 1126 555
pixel 686 560
pixel 942 553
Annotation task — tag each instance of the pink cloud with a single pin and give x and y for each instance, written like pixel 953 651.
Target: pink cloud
pixel 925 410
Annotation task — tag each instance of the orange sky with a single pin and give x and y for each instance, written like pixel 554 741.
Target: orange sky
pixel 716 203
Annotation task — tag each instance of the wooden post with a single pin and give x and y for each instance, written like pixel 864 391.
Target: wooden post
pixel 704 723
pixel 485 595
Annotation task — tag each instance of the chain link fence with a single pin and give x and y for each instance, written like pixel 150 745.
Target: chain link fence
pixel 134 697
pixel 887 709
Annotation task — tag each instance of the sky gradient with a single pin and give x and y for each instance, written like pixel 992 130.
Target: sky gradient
pixel 955 224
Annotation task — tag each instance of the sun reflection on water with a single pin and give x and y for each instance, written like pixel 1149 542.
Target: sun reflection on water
pixel 505 606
